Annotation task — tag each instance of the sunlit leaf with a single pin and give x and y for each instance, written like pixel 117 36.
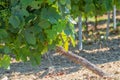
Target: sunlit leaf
pixel 5 61
pixel 66 45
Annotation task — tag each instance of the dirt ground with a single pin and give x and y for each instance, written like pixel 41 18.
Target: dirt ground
pixel 105 55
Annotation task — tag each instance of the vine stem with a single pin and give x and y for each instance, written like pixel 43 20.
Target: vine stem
pixel 84 62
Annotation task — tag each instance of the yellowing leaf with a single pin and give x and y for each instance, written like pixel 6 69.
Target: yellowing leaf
pixel 66 45
pixel 72 41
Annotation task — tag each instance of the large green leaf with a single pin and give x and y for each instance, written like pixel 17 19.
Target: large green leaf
pixel 50 14
pixel 24 12
pixel 30 38
pixel 14 21
pixel 25 3
pixel 36 4
pixel 44 24
pixel 3 33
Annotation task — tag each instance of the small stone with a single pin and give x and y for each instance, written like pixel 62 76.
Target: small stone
pixel 5 78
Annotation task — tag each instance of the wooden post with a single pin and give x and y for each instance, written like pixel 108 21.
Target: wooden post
pixel 80 32
pixel 108 24
pixel 114 16
pixel 80 60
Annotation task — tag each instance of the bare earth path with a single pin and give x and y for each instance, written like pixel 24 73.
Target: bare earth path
pixel 105 55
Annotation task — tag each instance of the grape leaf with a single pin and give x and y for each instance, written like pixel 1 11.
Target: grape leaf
pixel 30 38
pixel 25 3
pixel 14 20
pixel 5 62
pixel 50 14
pixel 3 33
pixel 51 34
pixel 66 45
pixel 24 12
pixel 35 4
pixel 44 24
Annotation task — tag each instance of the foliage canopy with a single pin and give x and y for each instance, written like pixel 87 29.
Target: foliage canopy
pixel 29 28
